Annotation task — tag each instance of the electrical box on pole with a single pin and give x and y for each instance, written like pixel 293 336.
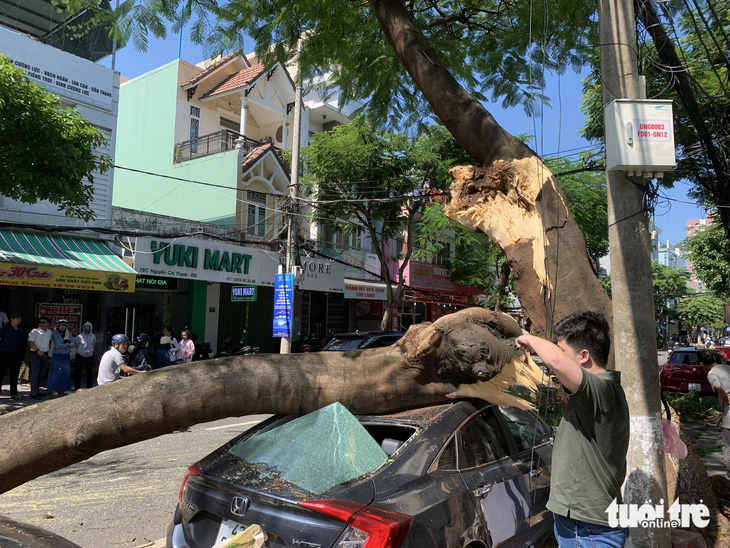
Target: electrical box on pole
pixel 639 136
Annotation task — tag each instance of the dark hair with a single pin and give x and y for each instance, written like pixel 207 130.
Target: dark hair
pixel 705 357
pixel 586 330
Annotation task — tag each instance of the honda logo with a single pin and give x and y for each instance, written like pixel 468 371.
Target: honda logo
pixel 240 505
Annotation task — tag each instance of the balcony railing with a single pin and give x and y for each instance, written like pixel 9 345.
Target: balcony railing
pixel 213 143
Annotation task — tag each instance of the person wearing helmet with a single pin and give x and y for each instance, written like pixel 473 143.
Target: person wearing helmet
pixel 113 362
pixel 141 359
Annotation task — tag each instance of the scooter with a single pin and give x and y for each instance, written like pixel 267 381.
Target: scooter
pixel 241 349
pixel 203 351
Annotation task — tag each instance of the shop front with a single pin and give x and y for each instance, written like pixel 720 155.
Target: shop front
pixel 62 278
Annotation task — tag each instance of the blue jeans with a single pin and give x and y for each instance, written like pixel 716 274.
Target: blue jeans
pixel 38 368
pixel 571 533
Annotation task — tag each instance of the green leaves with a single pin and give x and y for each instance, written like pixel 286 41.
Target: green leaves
pixel 701 311
pixel 711 262
pixel 46 152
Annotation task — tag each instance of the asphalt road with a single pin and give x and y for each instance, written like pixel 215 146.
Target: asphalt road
pixel 123 497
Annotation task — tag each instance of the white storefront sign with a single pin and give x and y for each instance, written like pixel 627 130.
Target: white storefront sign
pixel 60 72
pixel 211 261
pixel 363 290
pixel 322 275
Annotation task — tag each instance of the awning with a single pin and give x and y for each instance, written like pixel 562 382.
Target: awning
pixel 39 260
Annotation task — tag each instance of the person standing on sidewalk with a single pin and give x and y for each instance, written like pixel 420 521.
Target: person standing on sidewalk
pixel 39 341
pixel 85 344
pixel 59 376
pixel 589 455
pixel 12 348
pixel 718 375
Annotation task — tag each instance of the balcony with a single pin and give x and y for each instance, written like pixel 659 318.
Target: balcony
pixel 213 143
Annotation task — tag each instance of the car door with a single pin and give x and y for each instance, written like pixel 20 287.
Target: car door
pixel 498 483
pixel 532 442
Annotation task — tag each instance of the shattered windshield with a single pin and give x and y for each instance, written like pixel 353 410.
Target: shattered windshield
pixel 317 451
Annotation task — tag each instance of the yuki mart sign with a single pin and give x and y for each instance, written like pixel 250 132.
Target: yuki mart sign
pixel 205 260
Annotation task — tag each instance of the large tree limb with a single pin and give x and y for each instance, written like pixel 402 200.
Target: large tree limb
pixel 429 363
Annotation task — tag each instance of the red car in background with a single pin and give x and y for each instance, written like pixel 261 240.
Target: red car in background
pixel 725 351
pixel 683 372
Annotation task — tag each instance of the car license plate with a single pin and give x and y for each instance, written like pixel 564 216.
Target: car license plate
pixel 227 529
pixel 695 386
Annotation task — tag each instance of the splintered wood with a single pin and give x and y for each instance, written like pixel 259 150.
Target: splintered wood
pixel 520 371
pixel 501 201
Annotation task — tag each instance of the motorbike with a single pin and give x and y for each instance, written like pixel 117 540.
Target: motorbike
pixel 241 349
pixel 203 351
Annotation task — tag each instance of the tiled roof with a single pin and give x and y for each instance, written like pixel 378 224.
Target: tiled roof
pixel 259 152
pixel 236 81
pixel 222 61
pixel 255 154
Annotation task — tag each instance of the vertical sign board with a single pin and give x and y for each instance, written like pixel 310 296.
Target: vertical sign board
pixel 283 304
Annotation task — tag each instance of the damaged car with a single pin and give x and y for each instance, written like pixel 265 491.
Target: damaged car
pixel 466 474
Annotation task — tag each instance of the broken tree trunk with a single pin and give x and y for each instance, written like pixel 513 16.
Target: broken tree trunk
pixel 519 205
pixel 422 369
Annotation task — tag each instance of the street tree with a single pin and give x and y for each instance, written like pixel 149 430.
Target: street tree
pixel 701 311
pixel 48 153
pixel 669 284
pixel 682 52
pixel 710 258
pixel 364 179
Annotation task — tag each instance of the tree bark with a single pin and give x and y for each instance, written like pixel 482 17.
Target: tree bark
pixel 422 369
pixel 513 198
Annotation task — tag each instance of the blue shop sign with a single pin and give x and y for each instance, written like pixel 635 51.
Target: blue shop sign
pixel 283 305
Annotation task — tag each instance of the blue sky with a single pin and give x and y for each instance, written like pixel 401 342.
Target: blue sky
pixel 556 128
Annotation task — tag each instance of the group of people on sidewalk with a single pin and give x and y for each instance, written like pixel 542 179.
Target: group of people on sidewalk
pixel 50 351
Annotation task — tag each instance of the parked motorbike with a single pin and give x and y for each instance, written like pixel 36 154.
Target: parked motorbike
pixel 241 349
pixel 203 351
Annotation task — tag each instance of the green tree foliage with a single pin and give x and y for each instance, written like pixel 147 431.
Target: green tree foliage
pixel 669 284
pixel 701 311
pixel 45 153
pixel 499 50
pixel 710 258
pixel 360 177
pixel 585 192
pixel 683 54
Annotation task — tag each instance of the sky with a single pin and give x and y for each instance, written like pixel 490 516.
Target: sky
pixel 556 128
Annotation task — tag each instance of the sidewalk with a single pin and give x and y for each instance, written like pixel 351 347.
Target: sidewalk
pixel 707 441
pixel 8 404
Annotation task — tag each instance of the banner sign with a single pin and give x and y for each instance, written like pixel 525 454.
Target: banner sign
pixel 60 72
pixel 322 275
pixel 283 305
pixel 375 292
pixel 243 294
pixel 206 260
pixel 24 275
pixel 72 313
pixel 156 282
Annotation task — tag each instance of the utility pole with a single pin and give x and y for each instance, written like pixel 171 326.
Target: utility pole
pixel 634 325
pixel 291 242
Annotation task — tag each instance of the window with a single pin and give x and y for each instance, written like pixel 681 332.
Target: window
pixel 447 459
pixel 230 124
pixel 482 440
pixel 256 214
pixel 526 428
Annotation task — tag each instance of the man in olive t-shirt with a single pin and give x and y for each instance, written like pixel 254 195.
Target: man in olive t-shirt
pixel 589 456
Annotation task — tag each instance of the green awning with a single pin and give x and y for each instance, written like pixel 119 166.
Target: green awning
pixel 28 259
pixel 44 250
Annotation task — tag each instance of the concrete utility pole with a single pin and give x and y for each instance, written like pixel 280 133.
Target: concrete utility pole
pixel 631 282
pixel 291 243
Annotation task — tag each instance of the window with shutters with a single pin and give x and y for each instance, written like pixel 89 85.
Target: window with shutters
pixel 256 214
